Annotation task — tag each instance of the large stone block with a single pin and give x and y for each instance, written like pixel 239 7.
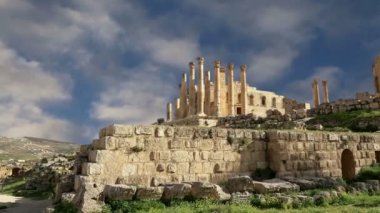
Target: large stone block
pixel 195 168
pixel 129 169
pixel 177 144
pixel 176 191
pixel 240 184
pixel 218 155
pixel 91 169
pixel 144 130
pixel 200 190
pixel 120 130
pixel 181 156
pixel 149 193
pixel 333 137
pixel 184 132
pixel 119 192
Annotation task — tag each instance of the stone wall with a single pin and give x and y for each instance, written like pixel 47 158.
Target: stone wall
pixel 150 155
pixel 319 154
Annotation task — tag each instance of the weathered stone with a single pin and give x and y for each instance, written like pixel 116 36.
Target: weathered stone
pixel 240 184
pixel 144 130
pixel 149 193
pixel 119 192
pixel 176 191
pixel 274 185
pixel 201 190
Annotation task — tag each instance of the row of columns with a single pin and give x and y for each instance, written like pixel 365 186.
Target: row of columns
pixel 316 96
pixel 198 99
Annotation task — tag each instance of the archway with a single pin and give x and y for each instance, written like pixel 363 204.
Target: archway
pixel 16 171
pixel 348 164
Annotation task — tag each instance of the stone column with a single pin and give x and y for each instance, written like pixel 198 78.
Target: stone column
pixel 376 74
pixel 243 84
pixel 316 97
pixel 169 112
pixel 177 109
pixel 208 93
pixel 231 94
pixel 201 88
pixel 192 104
pixel 217 85
pixel 183 97
pixel 326 98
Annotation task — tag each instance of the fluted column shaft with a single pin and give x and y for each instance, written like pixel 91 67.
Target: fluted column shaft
pixel 192 94
pixel 316 96
pixel 169 112
pixel 217 86
pixel 207 93
pixel 231 94
pixel 201 88
pixel 326 98
pixel 177 109
pixel 183 97
pixel 243 84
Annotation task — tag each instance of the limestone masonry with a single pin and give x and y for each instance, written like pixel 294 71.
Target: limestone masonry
pixel 224 96
pixel 150 156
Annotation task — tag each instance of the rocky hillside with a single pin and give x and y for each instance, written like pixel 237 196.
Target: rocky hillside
pixel 29 148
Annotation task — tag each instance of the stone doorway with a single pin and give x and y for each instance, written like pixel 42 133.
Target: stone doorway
pixel 238 110
pixel 377 155
pixel 348 165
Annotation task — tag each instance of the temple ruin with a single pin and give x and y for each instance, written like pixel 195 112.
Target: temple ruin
pixel 223 96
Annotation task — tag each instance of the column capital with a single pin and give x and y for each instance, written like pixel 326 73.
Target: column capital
pixel 243 67
pixel 201 60
pixel 230 66
pixel 191 65
pixel 325 82
pixel 217 63
pixel 222 69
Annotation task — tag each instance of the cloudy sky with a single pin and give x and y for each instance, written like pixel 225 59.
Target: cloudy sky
pixel 70 67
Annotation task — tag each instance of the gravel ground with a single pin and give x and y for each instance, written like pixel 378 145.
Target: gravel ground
pixel 22 205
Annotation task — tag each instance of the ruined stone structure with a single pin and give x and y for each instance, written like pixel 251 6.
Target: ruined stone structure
pixel 316 96
pixel 148 156
pixel 362 100
pixel 376 74
pixel 224 96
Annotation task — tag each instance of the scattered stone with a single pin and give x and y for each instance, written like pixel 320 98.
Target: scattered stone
pixel 176 191
pixel 119 192
pixel 200 190
pixel 149 193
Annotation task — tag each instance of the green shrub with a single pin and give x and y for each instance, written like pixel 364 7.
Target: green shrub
pixel 133 206
pixel 263 174
pixel 369 173
pixel 266 202
pixel 65 207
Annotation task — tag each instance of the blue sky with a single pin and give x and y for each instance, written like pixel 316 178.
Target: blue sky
pixel 70 67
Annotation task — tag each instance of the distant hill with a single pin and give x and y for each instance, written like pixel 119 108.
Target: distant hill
pixel 30 148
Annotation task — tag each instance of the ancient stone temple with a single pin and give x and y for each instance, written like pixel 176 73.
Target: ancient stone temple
pixel 222 96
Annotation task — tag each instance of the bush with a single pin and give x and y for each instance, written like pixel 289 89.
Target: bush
pixel 369 173
pixel 263 174
pixel 132 206
pixel 266 202
pixel 65 207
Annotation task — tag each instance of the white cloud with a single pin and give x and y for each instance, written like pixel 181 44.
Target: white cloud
pixel 24 87
pixel 141 99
